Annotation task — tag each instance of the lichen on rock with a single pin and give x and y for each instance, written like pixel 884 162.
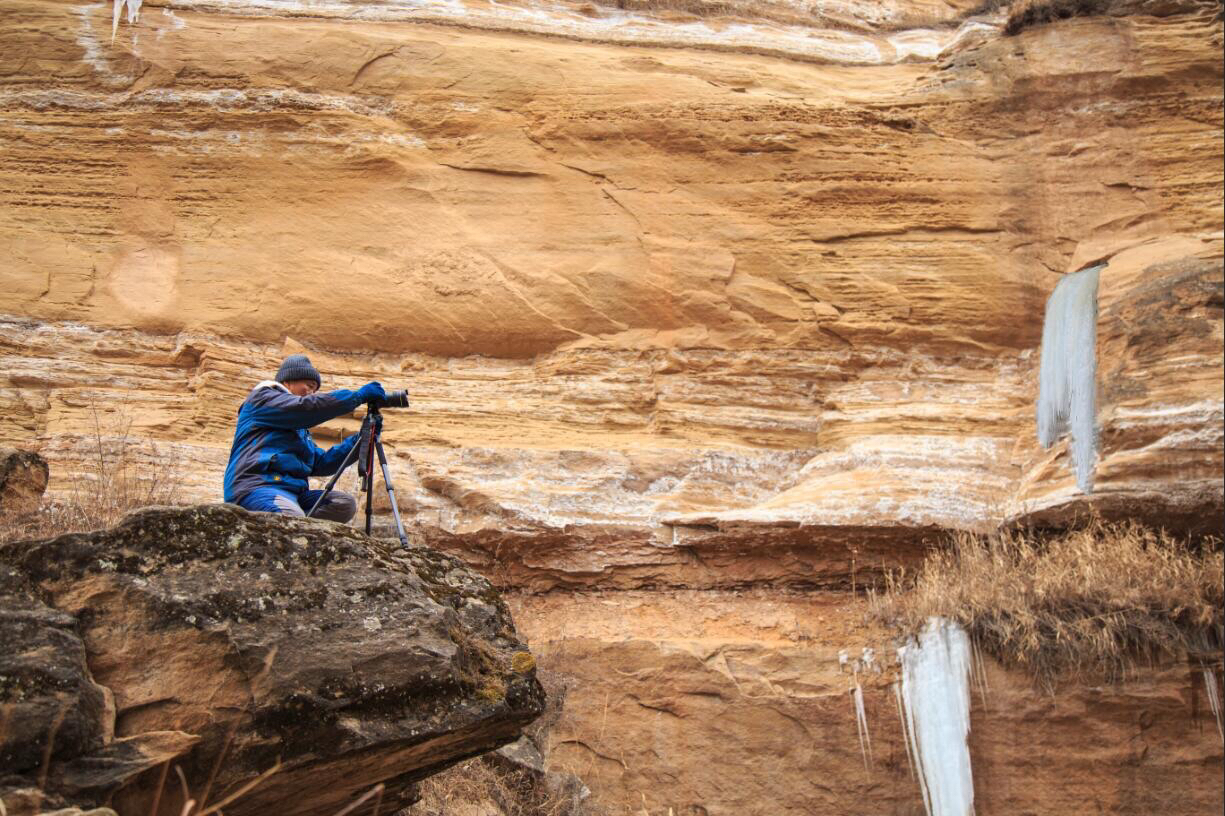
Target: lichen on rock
pixel 253 633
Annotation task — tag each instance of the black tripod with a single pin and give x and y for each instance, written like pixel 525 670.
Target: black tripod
pixel 363 453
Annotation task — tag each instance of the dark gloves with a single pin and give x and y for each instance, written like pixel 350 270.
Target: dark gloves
pixel 371 391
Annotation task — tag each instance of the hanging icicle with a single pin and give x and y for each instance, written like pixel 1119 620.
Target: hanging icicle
pixel 133 14
pixel 861 725
pixel 908 734
pixel 1214 699
pixel 935 703
pixel 1067 379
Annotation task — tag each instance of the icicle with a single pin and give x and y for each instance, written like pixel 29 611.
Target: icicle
pixel 1067 378
pixel 861 725
pixel 133 14
pixel 1214 699
pixel 912 745
pixel 936 700
pixel 979 673
pixel 906 734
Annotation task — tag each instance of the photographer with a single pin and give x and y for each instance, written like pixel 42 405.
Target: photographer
pixel 273 453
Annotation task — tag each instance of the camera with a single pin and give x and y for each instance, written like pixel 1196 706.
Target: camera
pixel 394 399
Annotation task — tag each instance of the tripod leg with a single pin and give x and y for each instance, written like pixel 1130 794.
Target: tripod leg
pixel 369 483
pixel 349 459
pixel 391 494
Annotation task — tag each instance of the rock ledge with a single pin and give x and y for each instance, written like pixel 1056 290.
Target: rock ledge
pixel 184 630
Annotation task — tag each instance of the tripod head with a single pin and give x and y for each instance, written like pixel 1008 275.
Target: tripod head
pixel 364 452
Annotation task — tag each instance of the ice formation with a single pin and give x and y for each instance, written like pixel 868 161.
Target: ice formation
pixel 133 14
pixel 1067 381
pixel 861 724
pixel 866 662
pixel 934 702
pixel 1214 699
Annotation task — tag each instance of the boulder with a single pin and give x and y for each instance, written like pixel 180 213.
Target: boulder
pixel 23 479
pixel 45 685
pixel 234 645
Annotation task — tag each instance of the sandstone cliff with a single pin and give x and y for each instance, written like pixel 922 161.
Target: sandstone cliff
pixel 707 284
pixel 710 312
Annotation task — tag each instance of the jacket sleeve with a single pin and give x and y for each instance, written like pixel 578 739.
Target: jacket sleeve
pixel 328 461
pixel 274 408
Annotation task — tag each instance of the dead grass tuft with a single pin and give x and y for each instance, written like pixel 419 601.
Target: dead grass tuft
pixel 122 474
pixel 481 787
pixel 493 786
pixel 1030 13
pixel 1089 602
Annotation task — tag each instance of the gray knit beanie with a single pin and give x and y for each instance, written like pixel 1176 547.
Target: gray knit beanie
pixel 298 367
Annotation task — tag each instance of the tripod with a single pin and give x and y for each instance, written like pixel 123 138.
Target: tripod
pixel 363 453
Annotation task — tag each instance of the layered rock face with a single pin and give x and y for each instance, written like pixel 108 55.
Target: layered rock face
pixel 644 285
pixel 722 702
pixel 707 310
pixel 237 645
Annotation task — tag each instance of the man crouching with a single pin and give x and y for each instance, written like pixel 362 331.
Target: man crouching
pixel 273 453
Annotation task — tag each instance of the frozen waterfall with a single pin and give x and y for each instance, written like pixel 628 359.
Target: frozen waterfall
pixel 1067 381
pixel 935 703
pixel 133 14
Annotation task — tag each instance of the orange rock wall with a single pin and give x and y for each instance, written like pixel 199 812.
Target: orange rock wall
pixel 692 301
pixel 726 703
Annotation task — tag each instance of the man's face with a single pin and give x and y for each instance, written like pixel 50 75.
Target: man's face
pixel 301 388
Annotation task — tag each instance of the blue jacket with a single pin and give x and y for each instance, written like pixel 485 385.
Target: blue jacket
pixel 272 446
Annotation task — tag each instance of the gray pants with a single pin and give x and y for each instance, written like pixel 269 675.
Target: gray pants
pixel 338 506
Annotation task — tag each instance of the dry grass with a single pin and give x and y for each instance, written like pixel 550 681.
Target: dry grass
pixel 1029 13
pixel 491 786
pixel 1089 602
pixel 122 473
pixel 485 787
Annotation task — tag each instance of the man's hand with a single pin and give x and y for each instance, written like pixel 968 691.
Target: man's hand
pixel 371 391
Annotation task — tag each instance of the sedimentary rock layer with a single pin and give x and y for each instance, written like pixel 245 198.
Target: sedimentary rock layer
pixel 691 298
pixel 726 703
pixel 624 284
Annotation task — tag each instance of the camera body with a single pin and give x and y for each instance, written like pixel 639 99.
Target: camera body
pixel 393 399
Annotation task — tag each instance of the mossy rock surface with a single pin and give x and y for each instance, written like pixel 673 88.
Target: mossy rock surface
pixel 348 659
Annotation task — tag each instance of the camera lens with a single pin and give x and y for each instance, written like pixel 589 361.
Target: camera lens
pixel 394 399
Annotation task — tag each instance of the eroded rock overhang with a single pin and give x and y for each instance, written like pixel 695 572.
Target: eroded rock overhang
pixel 237 646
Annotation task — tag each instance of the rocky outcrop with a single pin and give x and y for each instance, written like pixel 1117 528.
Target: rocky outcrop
pixel 45 681
pixel 23 479
pixel 235 644
pixel 711 312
